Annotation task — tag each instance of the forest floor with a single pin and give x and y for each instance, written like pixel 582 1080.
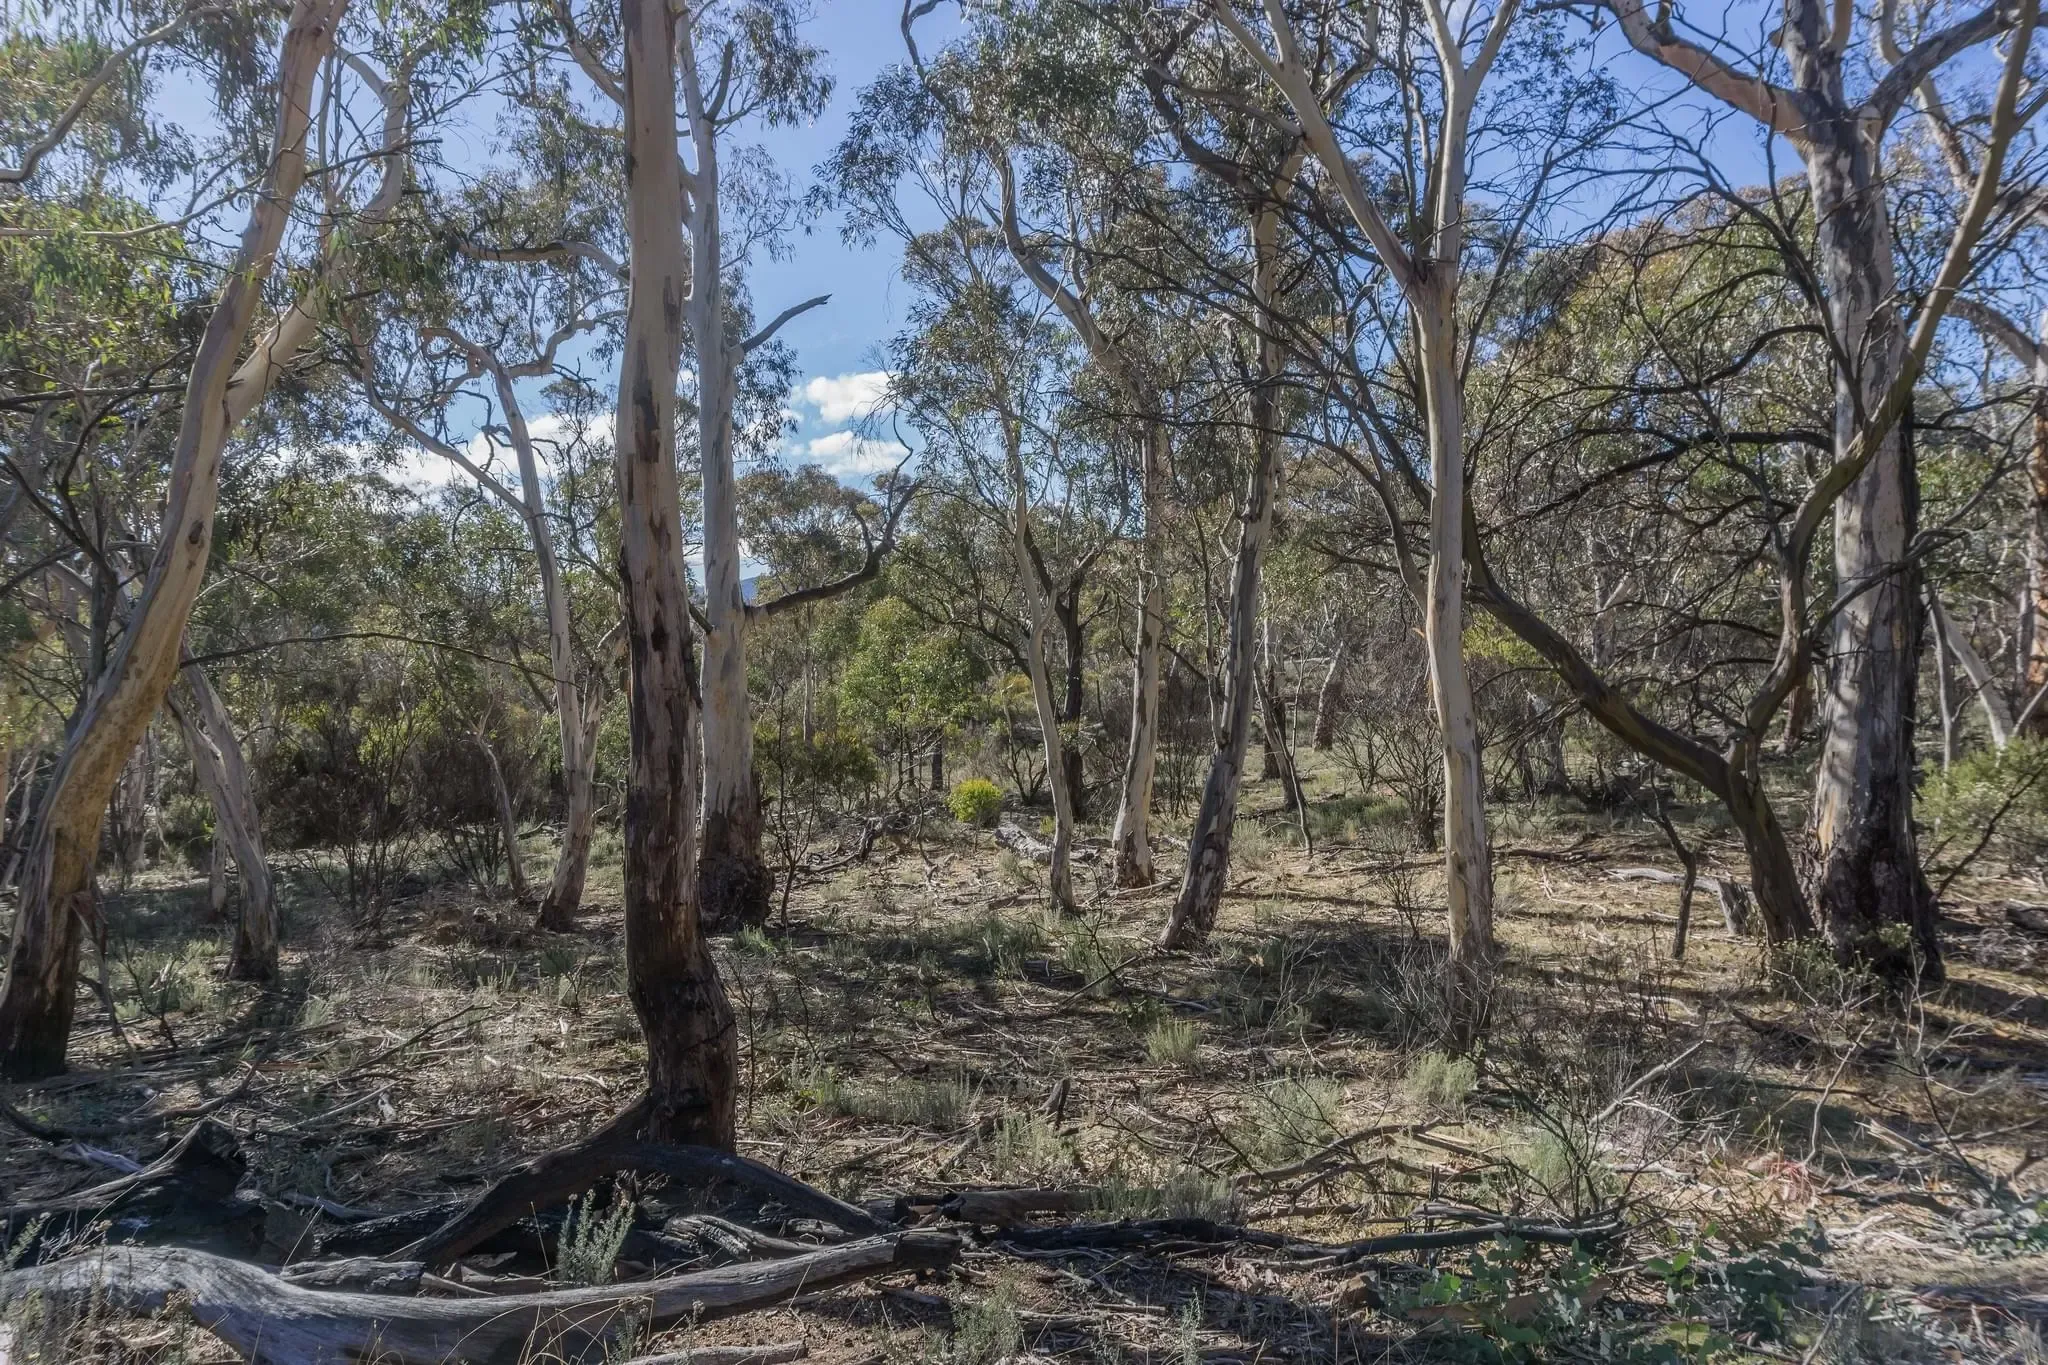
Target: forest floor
pixel 1805 1170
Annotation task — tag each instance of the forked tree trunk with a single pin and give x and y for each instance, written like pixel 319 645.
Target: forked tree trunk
pixel 1130 840
pixel 1864 869
pixel 692 1055
pixel 1037 626
pixel 224 773
pixel 1208 868
pixel 56 890
pixel 508 820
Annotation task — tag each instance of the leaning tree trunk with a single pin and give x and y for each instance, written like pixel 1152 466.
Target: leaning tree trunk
pixel 1037 626
pixel 692 1057
pixel 224 773
pixel 1329 700
pixel 1997 714
pixel 1208 866
pixel 56 888
pixel 1468 866
pixel 1863 868
pixel 1130 840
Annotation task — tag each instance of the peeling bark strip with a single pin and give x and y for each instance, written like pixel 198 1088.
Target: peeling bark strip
pixel 56 886
pixel 274 1322
pixel 692 1054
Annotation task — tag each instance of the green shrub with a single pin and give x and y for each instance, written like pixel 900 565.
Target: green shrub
pixel 591 1240
pixel 977 802
pixel 2004 792
pixel 1441 1081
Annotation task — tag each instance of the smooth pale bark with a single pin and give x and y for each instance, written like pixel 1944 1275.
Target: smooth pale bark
pixel 1468 871
pixel 1427 272
pixel 1329 700
pixel 1944 701
pixel 1997 714
pixel 692 1054
pixel 1130 838
pixel 1037 627
pixel 577 710
pixel 224 774
pixel 1208 867
pixel 735 884
pixel 56 889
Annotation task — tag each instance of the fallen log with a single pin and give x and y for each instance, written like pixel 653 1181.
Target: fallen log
pixel 777 1354
pixel 185 1197
pixel 274 1322
pixel 1159 1233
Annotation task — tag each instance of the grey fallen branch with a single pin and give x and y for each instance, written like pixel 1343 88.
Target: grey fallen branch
pixel 1181 1233
pixel 272 1321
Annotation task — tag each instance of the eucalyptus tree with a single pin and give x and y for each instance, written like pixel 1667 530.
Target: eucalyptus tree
pixel 1339 76
pixel 222 387
pixel 1046 94
pixel 1863 866
pixel 980 373
pixel 476 316
pixel 692 1053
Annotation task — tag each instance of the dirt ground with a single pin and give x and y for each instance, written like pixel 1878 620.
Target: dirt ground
pixel 1804 1169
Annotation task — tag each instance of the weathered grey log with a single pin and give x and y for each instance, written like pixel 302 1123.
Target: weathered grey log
pixel 777 1354
pixel 1733 895
pixel 357 1272
pixel 273 1322
pixel 734 1239
pixel 2030 917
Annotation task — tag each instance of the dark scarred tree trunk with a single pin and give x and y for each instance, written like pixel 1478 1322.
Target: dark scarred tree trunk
pixel 688 1023
pixel 1863 865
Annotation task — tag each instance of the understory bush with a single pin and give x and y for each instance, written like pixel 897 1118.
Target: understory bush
pixel 977 802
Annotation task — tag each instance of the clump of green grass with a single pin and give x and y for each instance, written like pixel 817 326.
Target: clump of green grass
pixel 1172 1042
pixel 1289 1118
pixel 942 1104
pixel 588 1249
pixel 1027 1146
pixel 987 1328
pixel 1186 1193
pixel 1440 1081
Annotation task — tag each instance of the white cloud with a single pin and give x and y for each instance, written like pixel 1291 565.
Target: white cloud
pixel 847 397
pixel 845 455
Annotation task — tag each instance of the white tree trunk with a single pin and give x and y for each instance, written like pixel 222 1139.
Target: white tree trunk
pixel 224 773
pixel 1468 859
pixel 56 893
pixel 1130 840
pixel 1997 714
pixel 1038 625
